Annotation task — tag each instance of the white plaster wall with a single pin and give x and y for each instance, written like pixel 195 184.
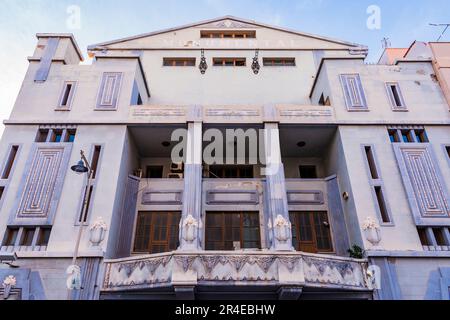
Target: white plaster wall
pixel 418 277
pixel 403 235
pixel 423 96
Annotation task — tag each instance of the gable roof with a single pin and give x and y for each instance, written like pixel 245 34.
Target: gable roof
pixel 99 46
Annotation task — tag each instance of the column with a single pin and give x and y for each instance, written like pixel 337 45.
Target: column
pixel 191 224
pixel 280 233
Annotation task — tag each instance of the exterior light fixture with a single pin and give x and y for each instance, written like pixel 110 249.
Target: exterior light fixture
pixel 346 196
pixel 74 271
pixel 79 168
pixel 301 144
pixel 203 66
pixel 255 65
pixel 165 144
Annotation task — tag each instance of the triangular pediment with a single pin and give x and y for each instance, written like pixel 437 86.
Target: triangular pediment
pixel 269 37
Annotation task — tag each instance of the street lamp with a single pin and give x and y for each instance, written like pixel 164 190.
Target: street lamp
pixel 74 271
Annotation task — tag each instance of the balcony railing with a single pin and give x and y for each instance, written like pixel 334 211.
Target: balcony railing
pixel 256 268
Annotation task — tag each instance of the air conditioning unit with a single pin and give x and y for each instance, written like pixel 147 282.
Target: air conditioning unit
pixel 175 176
pixel 176 167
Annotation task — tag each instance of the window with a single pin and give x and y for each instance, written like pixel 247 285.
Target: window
pixel 10 162
pixel 29 236
pixel 353 92
pixel 230 172
pixel 308 172
pixel 155 172
pixel 382 205
pixel 393 136
pixel 11 236
pixel 311 232
pixel 447 148
pixel 279 62
pixel 179 62
pixel 95 158
pixel 395 97
pixel 371 162
pixel 66 98
pixel 43 237
pixel 157 232
pixel 408 135
pixel 136 99
pixel 232 230
pixel 228 34
pixel 421 136
pixel 42 135
pixel 229 62
pixel 435 238
pixel 55 135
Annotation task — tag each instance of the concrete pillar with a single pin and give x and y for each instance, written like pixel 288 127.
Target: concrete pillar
pixel 276 197
pixel 192 195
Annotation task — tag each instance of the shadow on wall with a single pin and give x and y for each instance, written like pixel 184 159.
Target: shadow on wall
pixel 439 285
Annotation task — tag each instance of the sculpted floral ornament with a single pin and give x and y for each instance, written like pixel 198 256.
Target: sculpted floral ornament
pixel 190 226
pixel 282 227
pixel 8 283
pixel 372 231
pixel 98 231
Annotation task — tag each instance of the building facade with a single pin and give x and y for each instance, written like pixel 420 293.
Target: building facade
pixel 339 155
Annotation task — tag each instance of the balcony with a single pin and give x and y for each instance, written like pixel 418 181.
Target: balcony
pixel 200 275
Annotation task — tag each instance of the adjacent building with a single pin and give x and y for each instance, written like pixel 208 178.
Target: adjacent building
pixel 349 156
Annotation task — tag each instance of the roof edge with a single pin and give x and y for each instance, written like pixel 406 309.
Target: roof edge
pixel 229 17
pixel 63 35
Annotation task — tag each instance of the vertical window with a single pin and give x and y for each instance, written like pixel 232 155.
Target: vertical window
pixel 353 92
pixel 94 162
pixel 308 172
pixel 157 232
pixel 447 148
pixel 393 136
pixel 421 136
pixel 66 97
pixel 11 237
pixel 311 232
pixel 43 237
pixel 382 205
pixel 27 237
pixel 376 185
pixel 395 96
pixel 10 162
pixel 232 230
pixel 371 162
pixel 42 135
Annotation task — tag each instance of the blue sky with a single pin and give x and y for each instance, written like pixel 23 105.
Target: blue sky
pixel 402 21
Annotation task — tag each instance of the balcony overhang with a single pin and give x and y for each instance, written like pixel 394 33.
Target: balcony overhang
pixel 287 274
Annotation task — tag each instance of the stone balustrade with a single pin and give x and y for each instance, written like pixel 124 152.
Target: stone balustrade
pixel 235 268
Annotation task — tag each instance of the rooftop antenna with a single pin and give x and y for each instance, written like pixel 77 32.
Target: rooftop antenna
pixel 444 25
pixel 386 42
